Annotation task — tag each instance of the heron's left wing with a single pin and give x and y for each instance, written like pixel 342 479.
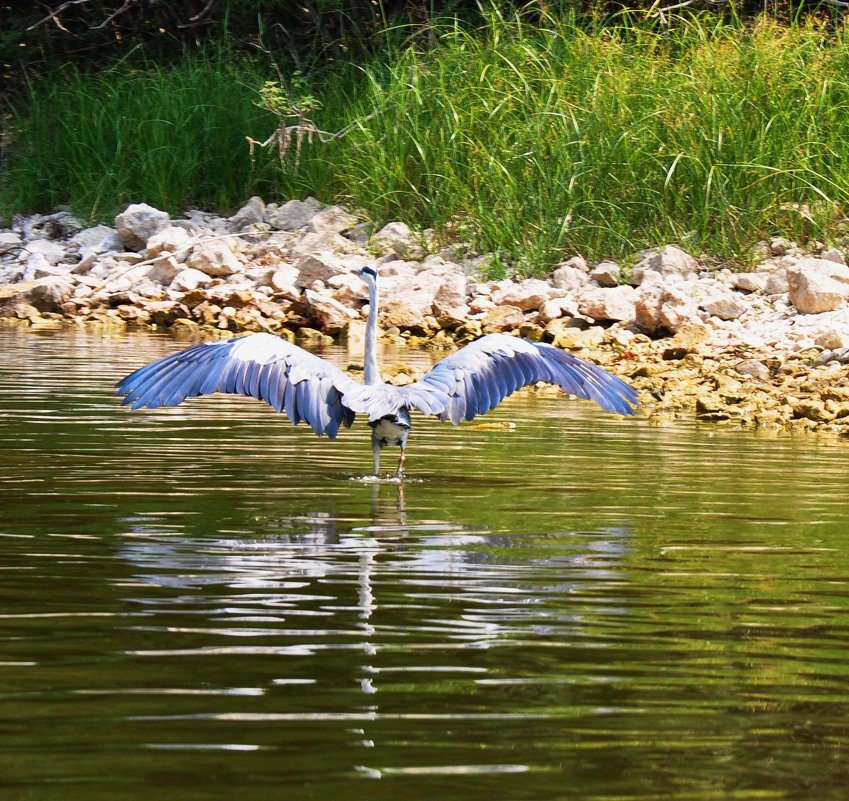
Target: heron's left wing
pixel 260 366
pixel 476 378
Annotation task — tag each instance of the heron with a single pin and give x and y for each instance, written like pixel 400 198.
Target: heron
pixel 467 383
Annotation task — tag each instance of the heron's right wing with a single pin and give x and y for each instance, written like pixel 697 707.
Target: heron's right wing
pixel 260 366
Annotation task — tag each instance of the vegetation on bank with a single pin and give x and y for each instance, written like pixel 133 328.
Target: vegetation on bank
pixel 532 141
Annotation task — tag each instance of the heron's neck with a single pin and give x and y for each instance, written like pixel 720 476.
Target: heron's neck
pixel 370 367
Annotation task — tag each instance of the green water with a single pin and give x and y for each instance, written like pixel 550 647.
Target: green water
pixel 207 603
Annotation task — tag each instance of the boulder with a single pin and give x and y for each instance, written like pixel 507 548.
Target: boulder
pixel 348 288
pixel 50 251
pixel 750 282
pixel 294 214
pixel 333 219
pixel 725 305
pixel 45 294
pixel 818 285
pixel 568 278
pixel 502 318
pixel 252 213
pixel 189 279
pixel 324 265
pixel 606 273
pixel 450 298
pixel 170 239
pixel 670 260
pixel 10 241
pixel 328 314
pixel 663 306
pixel 608 303
pixel 527 295
pixel 397 238
pixel 138 222
pixel 214 258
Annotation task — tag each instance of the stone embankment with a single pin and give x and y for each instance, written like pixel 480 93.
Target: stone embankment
pixel 768 347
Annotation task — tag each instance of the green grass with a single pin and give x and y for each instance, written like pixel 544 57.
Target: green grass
pixel 531 141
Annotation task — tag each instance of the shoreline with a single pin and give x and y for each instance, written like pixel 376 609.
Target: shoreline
pixel 767 348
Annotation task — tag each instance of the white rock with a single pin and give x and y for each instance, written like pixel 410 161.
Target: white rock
pixel 214 258
pixel 10 241
pixel 664 306
pixel 348 288
pixel 312 243
pixel 776 284
pixel 833 254
pixel 188 279
pixel 171 239
pixel 750 282
pixel 527 295
pixel 252 213
pixel 606 273
pixel 670 260
pixel 408 295
pixel 818 285
pixel 568 278
pixel 138 222
pixel 396 237
pixel 283 279
pixel 52 252
pixel 324 265
pixel 294 214
pixel 608 303
pixel 555 308
pixel 725 306
pixel 327 312
pixel 333 219
pixel 450 298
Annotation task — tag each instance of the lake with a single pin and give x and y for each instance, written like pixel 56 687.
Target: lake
pixel 208 603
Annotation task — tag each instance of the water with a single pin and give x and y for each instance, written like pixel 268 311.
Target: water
pixel 207 603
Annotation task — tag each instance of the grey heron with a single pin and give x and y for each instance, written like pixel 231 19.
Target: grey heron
pixel 469 382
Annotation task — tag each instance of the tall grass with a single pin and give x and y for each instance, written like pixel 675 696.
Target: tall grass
pixel 531 141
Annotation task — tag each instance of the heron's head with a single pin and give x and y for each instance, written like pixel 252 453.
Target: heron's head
pixel 368 274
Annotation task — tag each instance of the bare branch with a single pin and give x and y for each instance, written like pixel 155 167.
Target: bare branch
pixel 127 4
pixel 53 14
pixel 199 16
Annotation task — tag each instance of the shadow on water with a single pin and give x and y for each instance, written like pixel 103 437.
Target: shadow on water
pixel 205 603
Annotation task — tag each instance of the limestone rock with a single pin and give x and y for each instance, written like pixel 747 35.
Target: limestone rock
pixel 252 213
pixel 818 285
pixel 334 219
pixel 52 252
pixel 294 214
pixel 397 238
pixel 662 306
pixel 214 258
pixel 138 222
pixel 502 318
pixel 612 303
pixel 171 239
pixel 568 278
pixel 527 295
pixel 725 306
pixel 328 313
pixel 324 265
pixel 670 260
pixel 450 298
pixel 606 273
pixel 10 241
pixel 189 279
pixel 750 282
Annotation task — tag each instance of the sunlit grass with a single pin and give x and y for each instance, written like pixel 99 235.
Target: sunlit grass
pixel 530 141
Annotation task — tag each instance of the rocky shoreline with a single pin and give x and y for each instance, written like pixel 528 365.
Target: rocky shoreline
pixel 766 348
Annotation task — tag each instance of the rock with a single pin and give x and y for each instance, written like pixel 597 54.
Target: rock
pixel 554 308
pixel 818 285
pixel 214 258
pixel 294 214
pixel 527 295
pixel 753 368
pixel 284 281
pixel 776 284
pixel 397 238
pixel 51 252
pixel 778 245
pixel 170 239
pixel 333 219
pixel 833 254
pixel 568 278
pixel 188 279
pixel 670 260
pixel 252 213
pixel 45 294
pixel 812 410
pixel 614 303
pixel 831 340
pixel 502 318
pixel 138 223
pixel 329 314
pixel 663 307
pixel 10 241
pixel 348 288
pixel 606 273
pixel 324 265
pixel 750 282
pixel 450 298
pixel 725 306
pixel 329 242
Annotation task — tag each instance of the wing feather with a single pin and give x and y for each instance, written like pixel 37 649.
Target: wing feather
pixel 259 366
pixel 475 379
